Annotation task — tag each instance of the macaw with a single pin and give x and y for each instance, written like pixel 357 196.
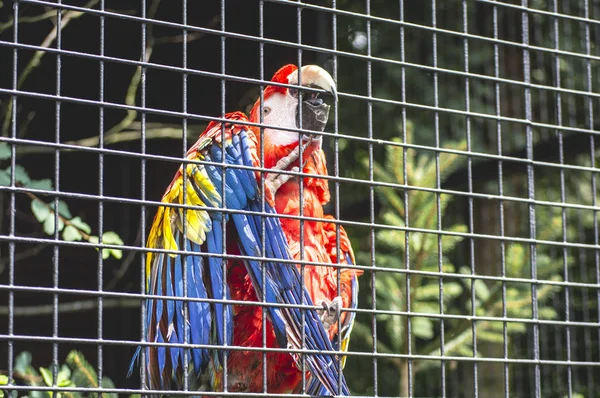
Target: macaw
pixel 221 230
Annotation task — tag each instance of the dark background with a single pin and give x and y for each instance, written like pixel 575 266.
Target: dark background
pixel 79 172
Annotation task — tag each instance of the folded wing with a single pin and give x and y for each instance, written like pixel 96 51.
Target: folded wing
pixel 218 177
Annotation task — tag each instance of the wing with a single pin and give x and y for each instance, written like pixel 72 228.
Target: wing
pixel 348 292
pixel 199 231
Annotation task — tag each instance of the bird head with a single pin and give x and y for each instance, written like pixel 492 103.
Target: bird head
pixel 281 107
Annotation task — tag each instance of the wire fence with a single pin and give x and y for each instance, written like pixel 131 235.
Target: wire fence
pixel 462 165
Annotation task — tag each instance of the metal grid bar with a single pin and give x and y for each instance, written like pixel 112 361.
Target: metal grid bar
pixel 552 345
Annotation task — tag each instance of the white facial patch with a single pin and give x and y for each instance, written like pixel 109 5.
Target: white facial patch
pixel 282 113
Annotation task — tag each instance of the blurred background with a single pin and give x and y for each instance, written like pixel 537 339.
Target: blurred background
pixel 467 129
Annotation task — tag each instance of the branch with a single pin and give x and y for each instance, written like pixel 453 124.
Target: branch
pixel 167 132
pixel 35 60
pixel 191 36
pixel 23 255
pixel 466 323
pixel 36 18
pixel 136 78
pixel 65 220
pixel 126 262
pixel 73 306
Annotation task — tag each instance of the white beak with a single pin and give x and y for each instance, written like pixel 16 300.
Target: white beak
pixel 316 76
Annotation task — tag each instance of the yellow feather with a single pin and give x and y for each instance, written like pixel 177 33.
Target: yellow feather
pixel 200 177
pixel 153 239
pixel 197 221
pixel 168 217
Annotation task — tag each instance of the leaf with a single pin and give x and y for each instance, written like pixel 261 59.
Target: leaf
pixel 84 375
pixel 63 210
pixel 79 224
pixel 3 380
pixel 23 362
pixel 21 175
pixel 43 185
pixel 490 336
pixel 49 224
pixel 111 238
pixel 46 375
pixel 4 151
pixel 108 384
pixel 4 178
pixel 422 328
pixel 481 290
pixel 40 210
pixel 70 234
pixel 63 379
pixel 117 253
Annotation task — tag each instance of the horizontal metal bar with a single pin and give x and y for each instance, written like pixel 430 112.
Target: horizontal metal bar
pixel 365 268
pixel 551 14
pixel 106 342
pixel 339 222
pixel 263 40
pixel 464 35
pixel 186 115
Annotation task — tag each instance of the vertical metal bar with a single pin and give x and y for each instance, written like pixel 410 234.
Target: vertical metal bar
pixel 559 122
pixel 223 182
pixel 531 194
pixel 184 226
pixel 590 125
pixel 56 251
pixel 301 196
pixel 583 253
pixel 101 195
pixel 407 286
pixel 143 275
pixel 541 113
pixel 261 23
pixel 437 195
pixel 501 202
pixel 470 198
pixel 12 204
pixel 371 198
pixel 336 185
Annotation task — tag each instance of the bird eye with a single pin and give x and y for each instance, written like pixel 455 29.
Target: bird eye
pixel 266 110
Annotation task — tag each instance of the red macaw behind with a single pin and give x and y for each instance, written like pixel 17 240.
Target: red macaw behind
pixel 213 324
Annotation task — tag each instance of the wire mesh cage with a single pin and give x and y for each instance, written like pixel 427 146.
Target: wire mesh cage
pixel 461 148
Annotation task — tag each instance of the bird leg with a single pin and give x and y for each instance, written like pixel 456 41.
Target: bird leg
pixel 331 311
pixel 274 180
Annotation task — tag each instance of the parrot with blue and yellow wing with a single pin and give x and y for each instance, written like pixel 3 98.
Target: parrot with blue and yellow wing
pixel 210 230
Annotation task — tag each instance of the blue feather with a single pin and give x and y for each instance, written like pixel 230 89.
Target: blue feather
pixel 179 321
pixel 161 353
pixel 215 245
pixel 200 321
pixel 274 313
pixel 231 180
pixel 231 200
pixel 246 178
pixel 173 337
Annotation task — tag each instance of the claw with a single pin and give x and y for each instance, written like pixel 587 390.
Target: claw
pixel 331 311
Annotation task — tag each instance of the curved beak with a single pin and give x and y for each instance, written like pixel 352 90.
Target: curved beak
pixel 315 76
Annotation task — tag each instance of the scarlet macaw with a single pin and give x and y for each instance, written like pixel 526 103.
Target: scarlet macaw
pixel 199 231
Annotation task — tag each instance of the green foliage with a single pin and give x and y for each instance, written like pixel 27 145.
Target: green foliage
pixel 75 372
pixel 51 215
pixel 430 252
